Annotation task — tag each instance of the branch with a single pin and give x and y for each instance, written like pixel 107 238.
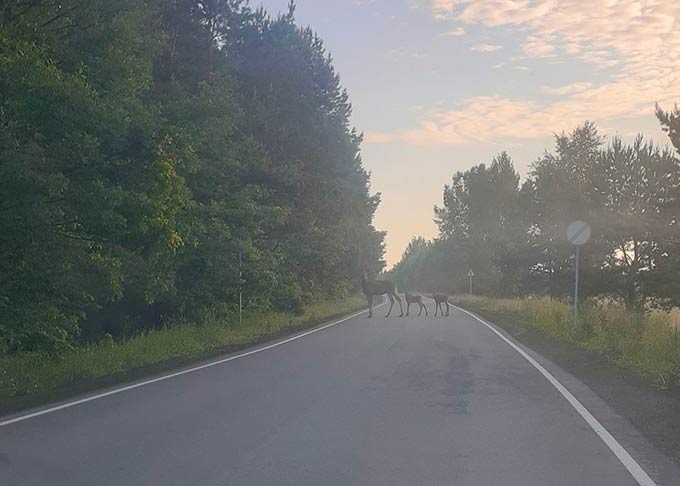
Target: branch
pixel 36 202
pixel 60 15
pixel 64 223
pixel 23 12
pixel 74 237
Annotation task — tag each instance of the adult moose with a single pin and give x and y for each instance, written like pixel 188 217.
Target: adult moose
pixel 415 299
pixel 439 301
pixel 380 287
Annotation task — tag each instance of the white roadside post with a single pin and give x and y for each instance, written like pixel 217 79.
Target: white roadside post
pixel 471 275
pixel 240 290
pixel 578 234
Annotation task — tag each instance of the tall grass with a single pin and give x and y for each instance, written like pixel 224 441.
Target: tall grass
pixel 648 342
pixel 38 373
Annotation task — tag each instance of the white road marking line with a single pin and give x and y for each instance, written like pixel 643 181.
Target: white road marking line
pixel 21 418
pixel 626 459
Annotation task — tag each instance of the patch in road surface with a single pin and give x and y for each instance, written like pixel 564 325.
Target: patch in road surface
pixel 446 376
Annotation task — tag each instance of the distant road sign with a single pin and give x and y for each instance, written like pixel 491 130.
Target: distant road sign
pixel 578 233
pixel 471 273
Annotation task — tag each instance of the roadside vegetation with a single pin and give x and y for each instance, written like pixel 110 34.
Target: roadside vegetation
pixel 511 232
pixel 39 373
pixel 647 342
pixel 158 158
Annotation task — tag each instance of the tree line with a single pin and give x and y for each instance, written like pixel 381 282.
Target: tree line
pixel 148 146
pixel 512 234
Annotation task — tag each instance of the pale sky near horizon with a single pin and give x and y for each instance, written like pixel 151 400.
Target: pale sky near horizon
pixel 438 86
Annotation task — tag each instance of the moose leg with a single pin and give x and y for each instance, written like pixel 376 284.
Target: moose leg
pixel 420 310
pixel 425 307
pixel 447 308
pixel 391 305
pixel 396 296
pixel 370 305
pixel 436 308
pixel 408 306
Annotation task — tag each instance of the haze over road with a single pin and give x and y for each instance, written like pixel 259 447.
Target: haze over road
pixel 373 402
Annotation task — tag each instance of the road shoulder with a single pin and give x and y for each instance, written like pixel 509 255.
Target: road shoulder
pixel 21 405
pixel 624 400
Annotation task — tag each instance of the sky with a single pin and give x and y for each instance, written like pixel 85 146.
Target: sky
pixel 438 86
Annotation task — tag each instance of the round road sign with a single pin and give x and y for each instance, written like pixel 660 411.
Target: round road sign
pixel 578 233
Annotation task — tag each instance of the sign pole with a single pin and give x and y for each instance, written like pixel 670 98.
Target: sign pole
pixel 240 290
pixel 471 275
pixel 578 251
pixel 578 234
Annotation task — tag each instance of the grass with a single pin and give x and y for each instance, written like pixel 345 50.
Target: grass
pixel 647 342
pixel 27 374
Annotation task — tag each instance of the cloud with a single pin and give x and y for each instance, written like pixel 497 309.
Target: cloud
pixel 598 34
pixel 638 41
pixel 537 47
pixel 406 53
pixel 493 13
pixel 485 48
pixel 568 89
pixel 379 137
pixel 453 33
pixel 485 119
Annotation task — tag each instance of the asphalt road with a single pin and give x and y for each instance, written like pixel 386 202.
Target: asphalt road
pixel 366 402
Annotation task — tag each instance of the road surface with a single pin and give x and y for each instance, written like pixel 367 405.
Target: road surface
pixel 417 401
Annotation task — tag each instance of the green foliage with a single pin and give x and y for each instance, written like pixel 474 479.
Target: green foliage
pixel 514 237
pixel 78 199
pixel 38 372
pixel 299 114
pixel 148 146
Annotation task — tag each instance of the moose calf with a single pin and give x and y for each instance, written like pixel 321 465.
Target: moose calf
pixel 415 299
pixel 440 300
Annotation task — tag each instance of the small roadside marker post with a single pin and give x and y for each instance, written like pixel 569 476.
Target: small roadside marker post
pixel 578 234
pixel 471 274
pixel 242 246
pixel 240 290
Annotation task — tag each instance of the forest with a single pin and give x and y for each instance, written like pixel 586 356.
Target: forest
pixel 512 233
pixel 159 156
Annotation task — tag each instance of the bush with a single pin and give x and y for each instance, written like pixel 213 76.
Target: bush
pixel 40 372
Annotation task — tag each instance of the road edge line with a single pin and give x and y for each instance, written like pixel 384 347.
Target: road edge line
pixel 140 384
pixel 619 451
